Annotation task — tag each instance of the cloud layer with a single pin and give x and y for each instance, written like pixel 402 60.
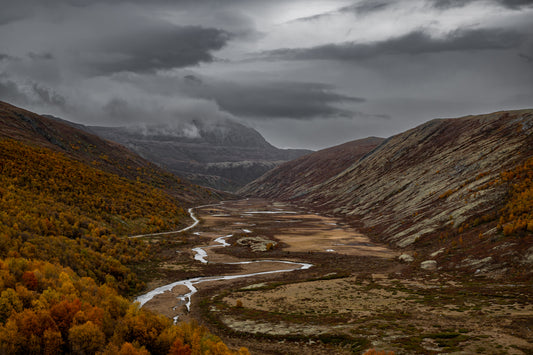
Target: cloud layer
pixel 306 73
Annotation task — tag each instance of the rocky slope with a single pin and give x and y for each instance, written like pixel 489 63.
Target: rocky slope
pixel 431 188
pixel 224 154
pixel 296 177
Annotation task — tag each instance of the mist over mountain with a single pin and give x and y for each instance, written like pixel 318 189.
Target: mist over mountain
pixel 222 154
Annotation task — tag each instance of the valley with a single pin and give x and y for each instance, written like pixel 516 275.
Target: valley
pixel 417 244
pixel 281 280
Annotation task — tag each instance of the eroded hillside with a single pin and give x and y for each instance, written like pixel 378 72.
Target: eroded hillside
pixel 426 187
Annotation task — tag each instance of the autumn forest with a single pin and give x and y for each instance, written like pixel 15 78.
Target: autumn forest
pixel 65 259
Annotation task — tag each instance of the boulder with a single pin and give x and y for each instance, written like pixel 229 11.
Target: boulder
pixel 428 265
pixel 406 258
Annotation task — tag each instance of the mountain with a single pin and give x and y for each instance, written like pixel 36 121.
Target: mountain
pixel 460 189
pixel 221 154
pixel 78 144
pixel 68 201
pixel 296 177
pixel 57 180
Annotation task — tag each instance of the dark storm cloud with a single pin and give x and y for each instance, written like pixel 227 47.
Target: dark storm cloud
pixel 165 47
pixel 366 7
pixel 526 57
pixel 510 4
pixel 515 4
pixel 6 57
pixel 19 10
pixel 417 42
pixel 274 100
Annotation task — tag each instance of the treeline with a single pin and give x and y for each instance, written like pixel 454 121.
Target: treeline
pixel 64 259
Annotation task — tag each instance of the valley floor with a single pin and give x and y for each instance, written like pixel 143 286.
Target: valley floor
pixel 355 296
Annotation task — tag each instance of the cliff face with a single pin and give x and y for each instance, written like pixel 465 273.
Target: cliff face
pixel 420 187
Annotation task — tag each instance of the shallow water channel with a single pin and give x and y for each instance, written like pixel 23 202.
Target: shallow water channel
pixel 201 256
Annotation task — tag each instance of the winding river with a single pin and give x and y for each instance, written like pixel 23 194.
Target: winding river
pixel 201 256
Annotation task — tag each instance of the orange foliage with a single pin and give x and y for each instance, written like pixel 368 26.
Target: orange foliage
pixel 377 352
pixel 517 215
pixel 63 259
pixel 56 208
pixel 178 348
pixel 74 314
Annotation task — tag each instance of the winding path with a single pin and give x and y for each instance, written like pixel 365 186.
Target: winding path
pixel 201 255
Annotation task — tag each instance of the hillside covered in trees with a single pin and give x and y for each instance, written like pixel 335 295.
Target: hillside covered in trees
pixel 68 201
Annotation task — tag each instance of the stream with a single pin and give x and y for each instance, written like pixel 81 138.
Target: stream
pixel 201 256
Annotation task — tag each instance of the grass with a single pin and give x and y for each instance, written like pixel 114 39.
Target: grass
pixel 401 327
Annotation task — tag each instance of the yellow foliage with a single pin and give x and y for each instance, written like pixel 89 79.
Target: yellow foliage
pixel 517 215
pixel 377 352
pixel 63 259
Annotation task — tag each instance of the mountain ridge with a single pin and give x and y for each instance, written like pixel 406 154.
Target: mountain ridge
pixel 315 168
pixel 430 180
pixel 220 154
pixel 65 137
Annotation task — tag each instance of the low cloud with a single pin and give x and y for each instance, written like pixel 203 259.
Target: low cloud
pixel 29 93
pixel 11 92
pixel 417 42
pixel 48 96
pixel 510 4
pixel 275 99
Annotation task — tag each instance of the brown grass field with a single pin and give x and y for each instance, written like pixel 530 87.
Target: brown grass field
pixel 355 297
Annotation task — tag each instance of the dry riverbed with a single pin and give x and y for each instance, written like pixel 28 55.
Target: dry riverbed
pixel 354 297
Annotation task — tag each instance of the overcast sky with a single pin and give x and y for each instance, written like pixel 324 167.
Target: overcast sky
pixel 304 73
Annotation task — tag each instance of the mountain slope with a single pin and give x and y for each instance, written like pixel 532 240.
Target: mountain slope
pixel 68 200
pixel 59 184
pixel 296 177
pixel 427 187
pixel 223 154
pixel 77 144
